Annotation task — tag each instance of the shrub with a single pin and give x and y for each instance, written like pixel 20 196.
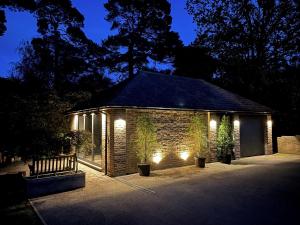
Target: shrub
pixel 198 136
pixel 225 142
pixel 81 140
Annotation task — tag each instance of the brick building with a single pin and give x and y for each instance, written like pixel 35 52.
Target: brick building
pixel 170 102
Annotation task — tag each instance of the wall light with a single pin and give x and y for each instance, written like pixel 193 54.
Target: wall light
pixel 236 123
pixel 157 157
pixel 270 122
pixel 184 155
pixel 213 124
pixel 120 124
pixel 75 122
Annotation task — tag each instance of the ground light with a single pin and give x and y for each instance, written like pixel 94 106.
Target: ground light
pixel 184 155
pixel 157 157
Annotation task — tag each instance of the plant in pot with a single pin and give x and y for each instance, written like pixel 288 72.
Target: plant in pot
pixel 145 143
pixel 198 136
pixel 225 142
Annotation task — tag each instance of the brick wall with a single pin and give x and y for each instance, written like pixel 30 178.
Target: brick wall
pixel 268 136
pixel 236 137
pixel 172 135
pixel 116 145
pixel 289 144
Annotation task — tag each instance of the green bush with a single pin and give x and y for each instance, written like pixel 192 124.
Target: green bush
pixel 198 136
pixel 81 140
pixel 225 142
pixel 146 140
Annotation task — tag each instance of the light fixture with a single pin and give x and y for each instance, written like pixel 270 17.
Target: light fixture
pixel 120 124
pixel 236 123
pixel 213 124
pixel 75 122
pixel 157 157
pixel 184 155
pixel 269 123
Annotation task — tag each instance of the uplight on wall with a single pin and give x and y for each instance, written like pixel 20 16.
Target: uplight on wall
pixel 120 124
pixel 269 123
pixel 75 122
pixel 84 121
pixel 236 123
pixel 213 124
pixel 184 155
pixel 157 157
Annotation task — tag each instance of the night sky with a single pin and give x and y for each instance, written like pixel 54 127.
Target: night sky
pixel 21 27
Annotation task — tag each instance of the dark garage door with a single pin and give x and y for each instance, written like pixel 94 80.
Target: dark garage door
pixel 252 135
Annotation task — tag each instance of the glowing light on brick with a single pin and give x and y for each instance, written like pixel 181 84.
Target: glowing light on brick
pixel 120 124
pixel 236 123
pixel 157 157
pixel 184 155
pixel 270 122
pixel 213 124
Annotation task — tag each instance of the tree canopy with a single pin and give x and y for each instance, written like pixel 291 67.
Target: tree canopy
pixel 258 35
pixel 143 35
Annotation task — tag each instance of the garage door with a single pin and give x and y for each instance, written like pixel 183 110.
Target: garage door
pixel 252 135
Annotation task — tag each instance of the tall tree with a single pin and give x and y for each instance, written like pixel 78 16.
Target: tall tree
pixel 194 62
pixel 143 35
pixel 63 54
pixel 257 35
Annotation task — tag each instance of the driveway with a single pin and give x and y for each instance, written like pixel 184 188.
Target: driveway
pixel 251 191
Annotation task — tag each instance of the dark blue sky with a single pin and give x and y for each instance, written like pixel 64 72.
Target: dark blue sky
pixel 21 27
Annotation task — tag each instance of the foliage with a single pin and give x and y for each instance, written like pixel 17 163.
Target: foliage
pixel 198 136
pixel 259 33
pixel 194 62
pixel 143 35
pixel 146 139
pixel 225 142
pixel 81 140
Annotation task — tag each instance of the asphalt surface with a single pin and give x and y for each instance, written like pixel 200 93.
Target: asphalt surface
pixel 252 191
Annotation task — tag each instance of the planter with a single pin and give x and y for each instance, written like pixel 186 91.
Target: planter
pixel 41 186
pixel 200 162
pixel 227 159
pixel 144 169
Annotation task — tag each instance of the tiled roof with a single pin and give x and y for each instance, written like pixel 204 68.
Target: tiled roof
pixel 152 90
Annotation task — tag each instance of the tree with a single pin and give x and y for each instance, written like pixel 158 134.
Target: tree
pixel 143 35
pixel 146 139
pixel 194 62
pixel 256 36
pixel 63 54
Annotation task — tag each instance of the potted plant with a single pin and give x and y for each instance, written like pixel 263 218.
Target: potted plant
pixel 198 136
pixel 225 142
pixel 145 143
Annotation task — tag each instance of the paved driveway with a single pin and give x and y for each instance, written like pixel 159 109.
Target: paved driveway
pixel 252 191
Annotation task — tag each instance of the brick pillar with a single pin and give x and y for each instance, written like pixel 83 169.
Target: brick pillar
pixel 236 136
pixel 117 155
pixel 268 136
pixel 212 136
pixel 103 138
